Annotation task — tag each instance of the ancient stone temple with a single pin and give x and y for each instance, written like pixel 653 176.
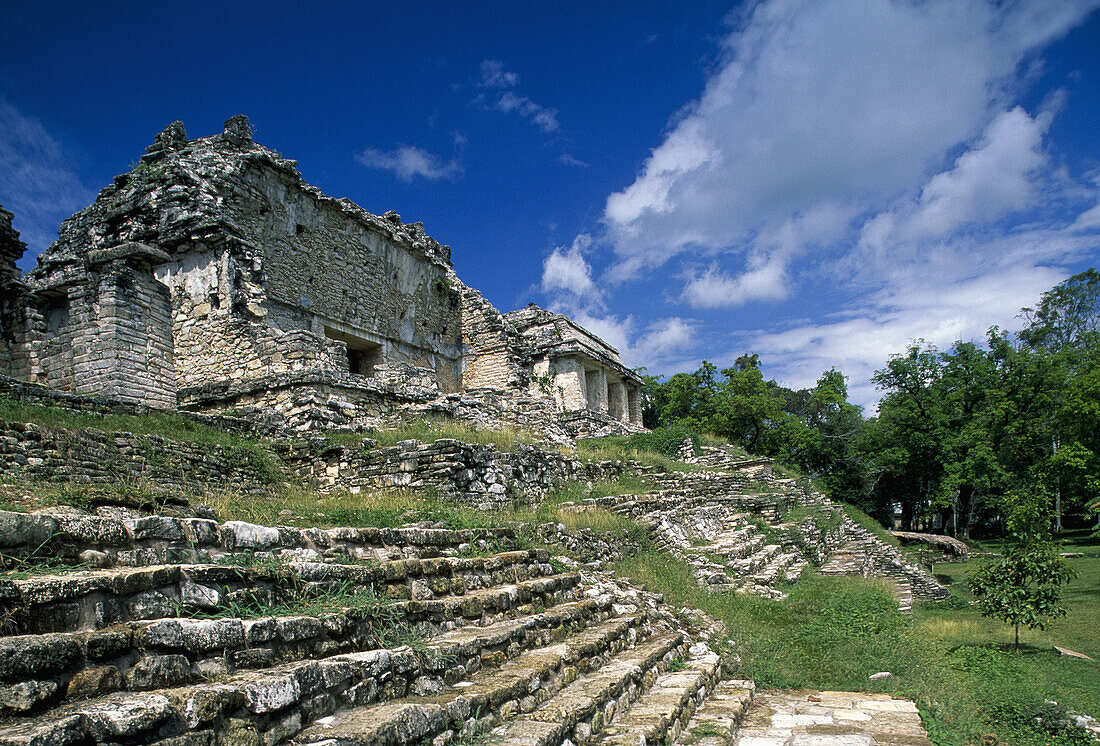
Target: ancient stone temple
pixel 212 277
pixel 587 378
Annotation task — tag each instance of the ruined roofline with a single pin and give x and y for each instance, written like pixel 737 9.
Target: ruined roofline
pixel 171 150
pixel 512 317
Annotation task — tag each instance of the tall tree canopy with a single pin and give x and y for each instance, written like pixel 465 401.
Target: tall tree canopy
pixel 957 432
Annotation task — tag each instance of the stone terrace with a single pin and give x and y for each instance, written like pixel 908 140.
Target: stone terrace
pixel 170 653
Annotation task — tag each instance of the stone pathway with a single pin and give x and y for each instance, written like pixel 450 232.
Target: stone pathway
pixel 810 718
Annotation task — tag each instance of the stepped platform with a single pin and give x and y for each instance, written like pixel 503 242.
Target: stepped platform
pixel 283 636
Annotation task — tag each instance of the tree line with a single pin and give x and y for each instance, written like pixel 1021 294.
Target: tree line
pixel 959 434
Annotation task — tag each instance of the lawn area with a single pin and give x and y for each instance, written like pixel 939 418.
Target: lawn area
pixel 832 633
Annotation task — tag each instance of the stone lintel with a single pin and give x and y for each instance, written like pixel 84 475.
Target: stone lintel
pixel 129 250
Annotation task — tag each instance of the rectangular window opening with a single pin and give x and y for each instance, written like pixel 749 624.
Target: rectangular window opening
pixel 363 355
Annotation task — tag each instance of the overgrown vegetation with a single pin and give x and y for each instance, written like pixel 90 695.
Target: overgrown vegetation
pixel 398 507
pixel 249 452
pixel 957 432
pixel 431 429
pixel 832 633
pixel 660 448
pixel 289 596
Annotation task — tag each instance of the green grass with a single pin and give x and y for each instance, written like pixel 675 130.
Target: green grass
pixel 870 524
pixel 622 448
pixel 832 633
pixel 428 430
pixel 398 507
pixel 249 451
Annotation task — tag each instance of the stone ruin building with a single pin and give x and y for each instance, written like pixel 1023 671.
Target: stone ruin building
pixel 211 277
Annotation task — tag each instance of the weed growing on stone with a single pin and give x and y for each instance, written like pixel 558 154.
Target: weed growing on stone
pixel 246 451
pixel 633 448
pixel 710 730
pixel 432 429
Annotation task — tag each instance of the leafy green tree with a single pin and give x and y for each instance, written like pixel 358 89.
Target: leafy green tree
pixel 1067 315
pixel 1023 585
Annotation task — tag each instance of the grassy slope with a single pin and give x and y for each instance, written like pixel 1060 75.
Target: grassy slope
pixel 832 633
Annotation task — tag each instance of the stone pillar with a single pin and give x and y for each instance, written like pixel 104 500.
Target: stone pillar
pixel 597 400
pixel 634 405
pixel 616 400
pixel 122 346
pixel 569 383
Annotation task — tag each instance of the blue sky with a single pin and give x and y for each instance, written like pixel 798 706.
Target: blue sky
pixel 816 181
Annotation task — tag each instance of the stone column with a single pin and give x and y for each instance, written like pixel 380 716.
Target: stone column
pixel 634 405
pixel 616 400
pixel 569 383
pixel 598 388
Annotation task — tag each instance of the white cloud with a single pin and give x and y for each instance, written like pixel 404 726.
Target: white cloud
pixel 653 345
pixel 715 289
pixel 938 301
pixel 410 161
pixel 567 270
pixel 870 153
pixel 37 181
pixel 844 102
pixel 987 182
pixel 494 76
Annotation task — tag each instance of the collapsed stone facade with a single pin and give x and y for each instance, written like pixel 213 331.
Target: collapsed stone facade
pixel 213 278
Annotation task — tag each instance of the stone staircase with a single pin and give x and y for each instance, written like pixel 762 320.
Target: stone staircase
pixel 727 525
pixel 247 634
pixel 865 555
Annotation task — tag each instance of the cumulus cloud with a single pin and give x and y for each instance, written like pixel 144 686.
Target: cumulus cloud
pixel 567 269
pixel 716 289
pixel 991 180
pixel 407 162
pixel 501 97
pixel 871 153
pixel 567 279
pixel 859 341
pixel 844 102
pixel 37 181
pixel 653 344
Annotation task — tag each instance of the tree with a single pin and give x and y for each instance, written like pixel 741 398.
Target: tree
pixel 1067 315
pixel 1022 586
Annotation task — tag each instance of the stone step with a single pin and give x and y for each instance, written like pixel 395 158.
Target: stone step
pixel 580 710
pixel 663 711
pixel 716 722
pixel 279 701
pixel 154 540
pixel 520 683
pixel 172 652
pixel 806 716
pixel 94 599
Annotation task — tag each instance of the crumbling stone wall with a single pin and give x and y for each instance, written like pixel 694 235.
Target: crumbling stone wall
pixel 14 300
pixel 497 354
pixel 212 261
pixel 89 456
pixel 479 475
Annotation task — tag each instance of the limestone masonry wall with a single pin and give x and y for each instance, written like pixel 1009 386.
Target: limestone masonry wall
pixel 479 475
pixel 30 452
pixel 211 276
